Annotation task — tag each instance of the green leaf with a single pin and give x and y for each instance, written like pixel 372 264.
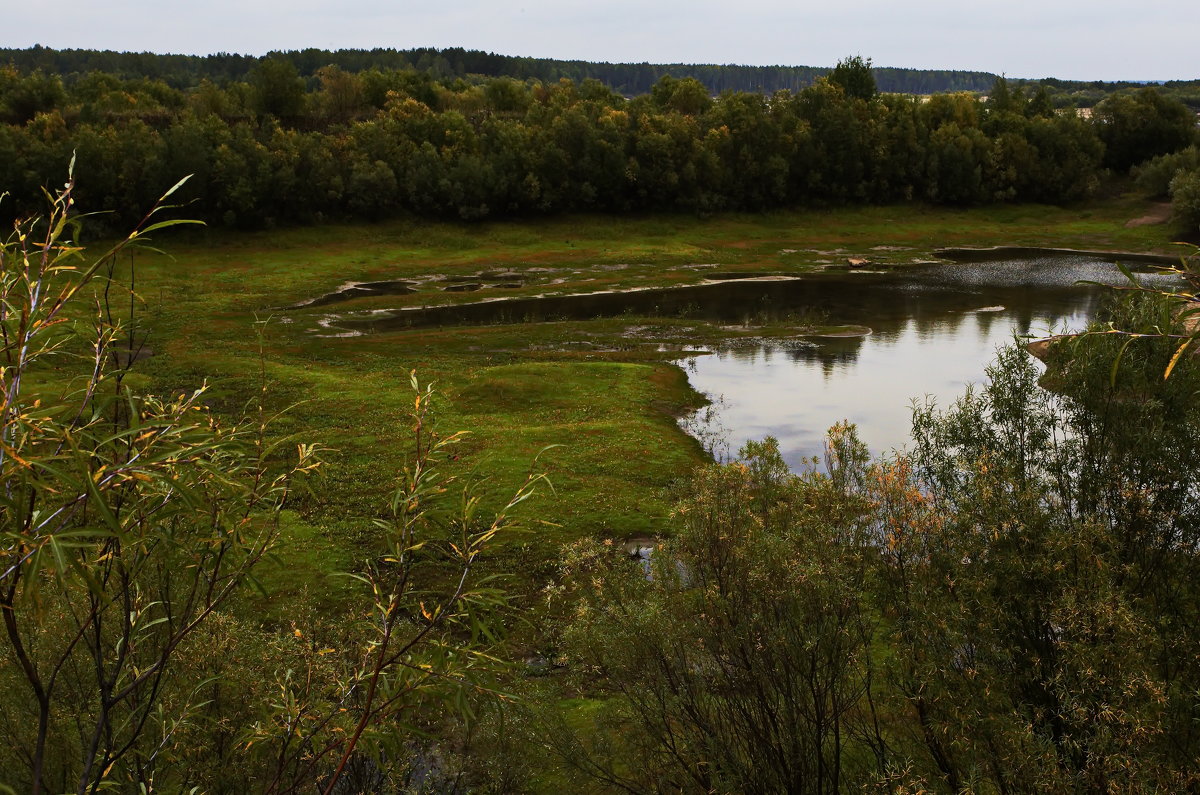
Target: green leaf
pixel 1112 373
pixel 175 187
pixel 102 507
pixel 155 622
pixel 166 224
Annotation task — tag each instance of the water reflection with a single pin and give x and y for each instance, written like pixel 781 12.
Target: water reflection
pixel 934 332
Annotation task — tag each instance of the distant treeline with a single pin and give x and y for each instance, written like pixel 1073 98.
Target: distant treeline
pixel 277 147
pixel 628 79
pixel 1085 94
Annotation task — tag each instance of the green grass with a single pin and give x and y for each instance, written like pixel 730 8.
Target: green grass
pixel 604 401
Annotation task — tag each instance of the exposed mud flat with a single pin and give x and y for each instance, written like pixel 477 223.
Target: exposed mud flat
pixel 748 298
pixel 756 277
pixel 483 280
pixel 856 331
pixel 352 290
pixel 459 283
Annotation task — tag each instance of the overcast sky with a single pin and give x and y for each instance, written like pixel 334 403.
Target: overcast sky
pixel 1075 39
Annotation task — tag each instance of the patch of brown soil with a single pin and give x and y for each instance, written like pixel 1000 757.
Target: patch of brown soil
pixel 1160 213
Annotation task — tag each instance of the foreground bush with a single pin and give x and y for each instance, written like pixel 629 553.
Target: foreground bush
pixel 1009 607
pixel 129 522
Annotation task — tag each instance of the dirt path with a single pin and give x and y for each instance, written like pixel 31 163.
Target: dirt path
pixel 1160 213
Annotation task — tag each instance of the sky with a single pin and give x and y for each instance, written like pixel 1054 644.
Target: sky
pixel 1070 39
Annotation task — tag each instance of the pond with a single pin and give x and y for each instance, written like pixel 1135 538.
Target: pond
pixel 925 333
pixel 934 330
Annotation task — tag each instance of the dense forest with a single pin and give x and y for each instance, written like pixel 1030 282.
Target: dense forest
pixel 279 148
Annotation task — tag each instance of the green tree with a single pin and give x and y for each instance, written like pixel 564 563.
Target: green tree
pixel 687 96
pixel 341 96
pixel 1136 127
pixel 1185 201
pixel 855 77
pixel 901 171
pixel 278 89
pixel 957 159
pixel 1069 157
pixel 1001 99
pixel 663 167
pixel 1040 575
pixel 23 97
pixel 1040 104
pixel 507 95
pixel 747 141
pixel 1154 176
pixel 839 157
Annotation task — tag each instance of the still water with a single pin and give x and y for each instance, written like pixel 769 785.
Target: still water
pixel 934 330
